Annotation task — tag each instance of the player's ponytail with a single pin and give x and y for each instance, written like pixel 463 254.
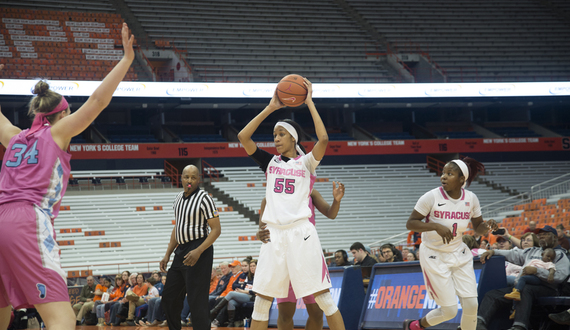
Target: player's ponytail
pixel 475 168
pixel 45 100
pixel 300 132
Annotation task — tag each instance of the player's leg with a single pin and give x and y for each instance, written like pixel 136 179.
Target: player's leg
pixel 57 315
pixel 286 313
pixel 439 284
pixel 465 285
pixel 315 320
pixel 326 303
pixel 271 277
pixel 286 308
pixel 5 317
pixel 260 315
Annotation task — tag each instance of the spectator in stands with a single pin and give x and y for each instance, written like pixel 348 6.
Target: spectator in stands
pixel 117 293
pixel 35 172
pixel 341 259
pixel 494 300
pixel 242 293
pixel 562 238
pixel 159 285
pixel 214 280
pixel 503 243
pixel 87 294
pixel 531 228
pixel 222 283
pixel 122 303
pixel 527 240
pixel 155 313
pixel 390 253
pixel 484 244
pixel 88 306
pixel 136 298
pixel 495 246
pixel 220 302
pixel 411 257
pixel 471 243
pixel 153 293
pixel 361 258
pixel 197 226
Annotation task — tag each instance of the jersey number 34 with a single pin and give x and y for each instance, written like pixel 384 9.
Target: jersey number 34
pixel 30 156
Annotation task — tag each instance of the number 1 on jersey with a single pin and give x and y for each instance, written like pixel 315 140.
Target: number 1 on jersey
pixel 455 229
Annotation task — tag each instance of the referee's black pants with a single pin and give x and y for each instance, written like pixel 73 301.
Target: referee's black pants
pixel 194 281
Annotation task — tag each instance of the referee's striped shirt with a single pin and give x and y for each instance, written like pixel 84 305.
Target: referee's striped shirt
pixel 191 214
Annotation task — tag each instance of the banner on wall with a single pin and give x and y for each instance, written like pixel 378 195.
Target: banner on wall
pixel 398 293
pixel 320 90
pixel 334 148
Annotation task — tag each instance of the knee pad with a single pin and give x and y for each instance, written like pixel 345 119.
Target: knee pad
pixel 469 316
pixel 326 303
pixel 261 309
pixel 441 315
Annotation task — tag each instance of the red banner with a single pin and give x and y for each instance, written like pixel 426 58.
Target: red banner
pixel 339 148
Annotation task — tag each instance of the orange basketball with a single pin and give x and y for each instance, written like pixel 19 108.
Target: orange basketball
pixel 292 91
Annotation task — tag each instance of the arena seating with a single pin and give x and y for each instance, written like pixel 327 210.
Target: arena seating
pixel 377 204
pixel 542 213
pixel 477 40
pixel 129 228
pixel 60 44
pixel 260 41
pixel 521 176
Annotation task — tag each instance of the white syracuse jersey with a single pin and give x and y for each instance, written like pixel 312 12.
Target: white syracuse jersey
pixel 455 214
pixel 289 185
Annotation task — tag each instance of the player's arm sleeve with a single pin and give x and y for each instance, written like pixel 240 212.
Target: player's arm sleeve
pixel 425 203
pixel 562 269
pixel 262 158
pixel 476 208
pixel 310 162
pixel 515 256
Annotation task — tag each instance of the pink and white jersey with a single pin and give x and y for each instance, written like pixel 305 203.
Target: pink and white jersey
pixel 35 170
pixel 289 186
pixel 312 207
pixel 455 214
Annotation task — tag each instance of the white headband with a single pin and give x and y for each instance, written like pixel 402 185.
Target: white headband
pixel 289 128
pixel 464 169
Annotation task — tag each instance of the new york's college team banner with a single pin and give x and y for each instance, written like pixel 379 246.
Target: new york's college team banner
pixel 320 90
pixel 335 148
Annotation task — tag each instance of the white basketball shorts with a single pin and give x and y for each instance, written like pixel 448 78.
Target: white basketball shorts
pixel 294 254
pixel 448 274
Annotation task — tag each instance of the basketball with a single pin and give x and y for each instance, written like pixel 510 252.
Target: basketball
pixel 292 91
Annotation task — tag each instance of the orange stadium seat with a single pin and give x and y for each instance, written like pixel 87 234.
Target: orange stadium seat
pixel 95 233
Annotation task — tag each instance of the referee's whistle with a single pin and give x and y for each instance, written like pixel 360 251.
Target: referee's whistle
pixel 189 185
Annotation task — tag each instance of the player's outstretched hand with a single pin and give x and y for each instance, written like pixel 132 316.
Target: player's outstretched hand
pixel 486 255
pixel 263 234
pixel 338 191
pixel 309 86
pixel 275 103
pixel 164 263
pixel 128 40
pixel 445 233
pixel 191 258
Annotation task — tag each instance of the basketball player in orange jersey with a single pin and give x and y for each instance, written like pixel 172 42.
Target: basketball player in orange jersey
pixel 33 180
pixel 447 263
pixel 294 253
pixel 287 306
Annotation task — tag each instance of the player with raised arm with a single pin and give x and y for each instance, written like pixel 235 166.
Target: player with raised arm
pixel 33 180
pixel 287 306
pixel 447 263
pixel 294 253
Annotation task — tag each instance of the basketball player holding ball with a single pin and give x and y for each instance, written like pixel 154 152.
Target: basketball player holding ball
pixel 294 253
pixel 447 263
pixel 33 180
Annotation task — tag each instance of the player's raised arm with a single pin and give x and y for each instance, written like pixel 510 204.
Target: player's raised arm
pixel 7 130
pixel 77 122
pixel 323 138
pixel 245 134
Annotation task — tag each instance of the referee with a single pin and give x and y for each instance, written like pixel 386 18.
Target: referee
pixel 191 269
